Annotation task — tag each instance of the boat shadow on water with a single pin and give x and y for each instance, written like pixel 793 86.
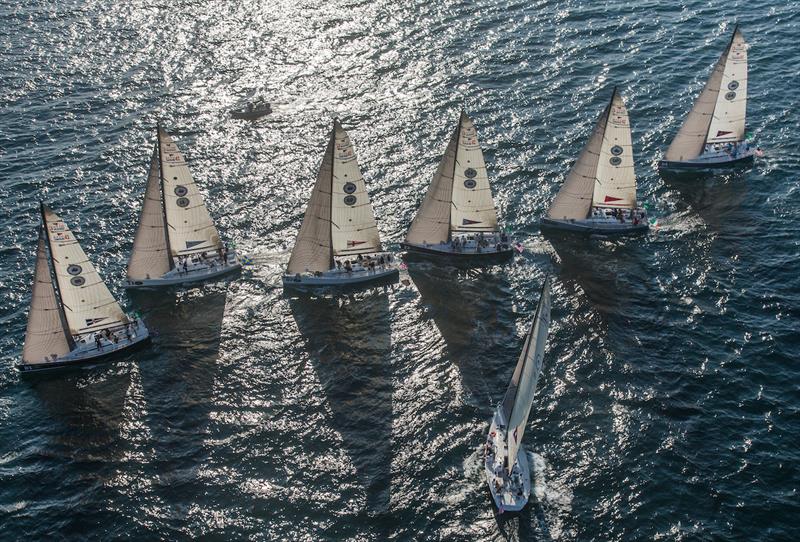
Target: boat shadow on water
pixel 719 199
pixel 349 347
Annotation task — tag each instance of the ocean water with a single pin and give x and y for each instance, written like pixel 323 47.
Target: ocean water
pixel 668 404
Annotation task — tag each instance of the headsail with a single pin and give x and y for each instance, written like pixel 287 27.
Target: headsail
pixel 46 336
pixel 150 256
pixel 189 225
pixel 519 396
pixel 615 178
pixel 473 206
pixel 313 249
pixel 86 301
pixel 718 114
pixel 353 228
pixel 574 199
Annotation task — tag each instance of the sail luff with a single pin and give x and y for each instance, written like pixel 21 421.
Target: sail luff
pixel 313 249
pixel 574 199
pixel 690 140
pixel 472 203
pixel 170 259
pixel 527 372
pixel 431 225
pixel 150 255
pixel 46 335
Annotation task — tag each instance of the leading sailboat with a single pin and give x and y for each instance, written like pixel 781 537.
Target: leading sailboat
pixel 457 219
pixel 176 241
pixel 73 317
pixel 599 194
pixel 713 134
pixel 338 243
pixel 505 462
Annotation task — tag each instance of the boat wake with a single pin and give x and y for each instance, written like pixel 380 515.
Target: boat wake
pixel 551 499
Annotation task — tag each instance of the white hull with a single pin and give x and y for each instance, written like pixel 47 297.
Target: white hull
pixel 468 245
pixel 602 222
pixel 338 278
pixel 194 273
pixel 88 349
pixel 510 493
pixel 715 156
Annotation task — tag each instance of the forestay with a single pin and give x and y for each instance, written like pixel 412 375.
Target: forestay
pixel 473 206
pixel 574 200
pixel 189 225
pixel 718 114
pixel 615 178
pixel 353 228
pixel 150 256
pixel 519 396
pixel 431 225
pixel 87 303
pixel 313 250
pixel 45 337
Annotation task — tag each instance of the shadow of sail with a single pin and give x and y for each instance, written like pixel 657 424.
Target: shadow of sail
pixel 178 388
pixel 472 310
pixel 349 346
pixel 717 199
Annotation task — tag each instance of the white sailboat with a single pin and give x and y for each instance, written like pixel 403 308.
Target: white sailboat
pixel 176 241
pixel 457 218
pixel 505 462
pixel 599 194
pixel 338 243
pixel 73 317
pixel 713 134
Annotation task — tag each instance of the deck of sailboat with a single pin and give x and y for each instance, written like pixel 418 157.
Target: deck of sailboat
pixel 446 251
pixel 711 164
pixel 515 490
pixel 177 278
pixel 342 279
pixel 593 227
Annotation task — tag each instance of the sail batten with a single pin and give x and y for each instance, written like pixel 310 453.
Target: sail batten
pixel 85 299
pixel 150 255
pixel 46 337
pixel 189 225
pixel 519 396
pixel 718 114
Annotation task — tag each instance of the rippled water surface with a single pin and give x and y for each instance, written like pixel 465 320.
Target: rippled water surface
pixel 668 405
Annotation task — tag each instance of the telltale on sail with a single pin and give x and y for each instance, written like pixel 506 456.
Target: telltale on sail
pixel 505 463
pixel 73 316
pixel 457 218
pixel 338 243
pixel 176 240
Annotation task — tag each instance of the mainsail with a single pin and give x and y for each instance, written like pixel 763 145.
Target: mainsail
pixel 353 228
pixel 150 256
pixel 313 249
pixel 603 175
pixel 473 206
pixel 459 197
pixel 615 178
pixel 718 114
pixel 189 225
pixel 45 336
pixel 85 299
pixel 517 402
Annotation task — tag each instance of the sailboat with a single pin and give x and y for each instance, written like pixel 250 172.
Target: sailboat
pixel 176 241
pixel 599 194
pixel 713 134
pixel 457 218
pixel 338 243
pixel 505 462
pixel 73 317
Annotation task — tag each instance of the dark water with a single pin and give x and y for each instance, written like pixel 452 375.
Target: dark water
pixel 668 406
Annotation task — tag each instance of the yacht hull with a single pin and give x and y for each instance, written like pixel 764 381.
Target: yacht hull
pixel 587 227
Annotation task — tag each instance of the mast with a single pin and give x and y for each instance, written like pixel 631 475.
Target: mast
pixel 163 199
pixel 331 262
pixel 453 177
pixel 56 287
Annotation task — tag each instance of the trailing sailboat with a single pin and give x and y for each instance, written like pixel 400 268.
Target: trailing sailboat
pixel 338 243
pixel 505 462
pixel 457 218
pixel 176 241
pixel 73 317
pixel 599 194
pixel 713 134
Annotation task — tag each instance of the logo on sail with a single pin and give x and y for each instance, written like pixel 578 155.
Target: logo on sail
pixel 355 243
pixel 192 244
pixel 94 321
pixel 515 433
pixel 721 133
pixel 468 222
pixel 611 199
